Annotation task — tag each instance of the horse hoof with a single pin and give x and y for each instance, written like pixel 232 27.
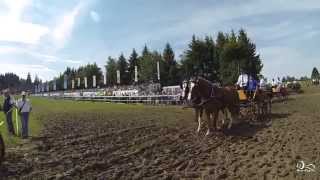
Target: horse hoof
pixel 208 133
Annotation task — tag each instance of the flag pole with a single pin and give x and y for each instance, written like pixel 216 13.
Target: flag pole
pixel 17 122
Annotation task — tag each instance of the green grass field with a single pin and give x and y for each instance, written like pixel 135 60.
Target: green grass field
pixel 45 109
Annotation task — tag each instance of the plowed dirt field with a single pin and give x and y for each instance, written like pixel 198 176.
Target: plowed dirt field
pixel 109 141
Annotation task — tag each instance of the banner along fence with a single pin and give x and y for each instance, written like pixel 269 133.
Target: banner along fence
pixel 154 99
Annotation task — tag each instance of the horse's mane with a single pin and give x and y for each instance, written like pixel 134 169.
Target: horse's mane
pixel 203 80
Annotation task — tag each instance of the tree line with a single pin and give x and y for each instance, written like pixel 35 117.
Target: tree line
pixel 220 60
pixel 14 82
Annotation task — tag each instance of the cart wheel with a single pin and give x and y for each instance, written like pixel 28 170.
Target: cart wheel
pixel 2 149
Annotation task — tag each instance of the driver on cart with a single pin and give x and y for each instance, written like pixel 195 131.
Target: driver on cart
pixel 247 83
pixel 253 84
pixel 242 82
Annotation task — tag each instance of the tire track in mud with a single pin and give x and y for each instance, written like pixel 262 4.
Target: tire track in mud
pixel 143 149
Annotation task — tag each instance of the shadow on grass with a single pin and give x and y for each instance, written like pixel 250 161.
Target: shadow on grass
pixel 279 100
pixel 249 130
pixel 279 115
pixel 243 130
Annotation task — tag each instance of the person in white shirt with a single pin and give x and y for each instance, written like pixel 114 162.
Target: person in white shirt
pixel 263 84
pixel 24 109
pixel 243 80
pixel 273 83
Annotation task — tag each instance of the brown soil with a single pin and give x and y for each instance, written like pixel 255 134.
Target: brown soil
pixel 93 149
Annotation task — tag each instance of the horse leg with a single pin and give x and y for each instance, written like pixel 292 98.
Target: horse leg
pixel 230 122
pixel 209 123
pixel 226 116
pixel 235 112
pixel 198 118
pixel 223 119
pixel 215 119
pixel 197 114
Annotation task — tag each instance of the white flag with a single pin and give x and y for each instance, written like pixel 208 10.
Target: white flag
pixel 72 83
pixel 79 82
pixel 42 87
pixel 55 85
pixel 118 76
pixel 85 82
pixel 94 83
pixel 65 83
pixel 158 69
pixel 135 73
pixel 48 88
pixel 105 78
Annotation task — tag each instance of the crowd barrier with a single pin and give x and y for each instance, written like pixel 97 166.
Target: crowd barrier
pixel 154 99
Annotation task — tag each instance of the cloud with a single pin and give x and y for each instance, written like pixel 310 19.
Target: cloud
pixel 73 61
pixel 64 28
pixel 13 29
pixel 11 50
pixel 95 16
pixel 281 61
pixel 8 50
pixel 22 70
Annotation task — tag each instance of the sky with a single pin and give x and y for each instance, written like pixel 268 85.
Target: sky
pixel 43 37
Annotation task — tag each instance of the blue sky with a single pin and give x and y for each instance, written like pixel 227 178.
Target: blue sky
pixel 44 36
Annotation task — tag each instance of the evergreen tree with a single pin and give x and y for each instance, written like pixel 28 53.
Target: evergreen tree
pixel 145 51
pixel 170 67
pixel 147 66
pixel 211 63
pixel 200 59
pixel 91 70
pixel 123 68
pixel 250 60
pixel 237 54
pixel 111 68
pixel 168 55
pixel 229 60
pixel 192 58
pixel 36 80
pixel 315 73
pixel 29 81
pixel 133 61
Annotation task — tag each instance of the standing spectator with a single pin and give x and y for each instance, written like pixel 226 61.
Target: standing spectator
pixel 8 106
pixel 24 108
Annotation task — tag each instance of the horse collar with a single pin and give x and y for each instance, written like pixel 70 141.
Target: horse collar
pixel 212 94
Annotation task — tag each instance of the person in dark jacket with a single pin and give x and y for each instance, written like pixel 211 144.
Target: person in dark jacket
pixel 8 106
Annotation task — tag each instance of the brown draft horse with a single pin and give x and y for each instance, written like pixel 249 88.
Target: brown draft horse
pixel 194 103
pixel 212 100
pixel 280 92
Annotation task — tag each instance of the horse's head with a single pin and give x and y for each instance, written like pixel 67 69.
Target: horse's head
pixel 185 89
pixel 195 94
pixel 191 92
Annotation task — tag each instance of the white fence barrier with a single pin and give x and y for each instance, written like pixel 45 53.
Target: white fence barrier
pixel 156 99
